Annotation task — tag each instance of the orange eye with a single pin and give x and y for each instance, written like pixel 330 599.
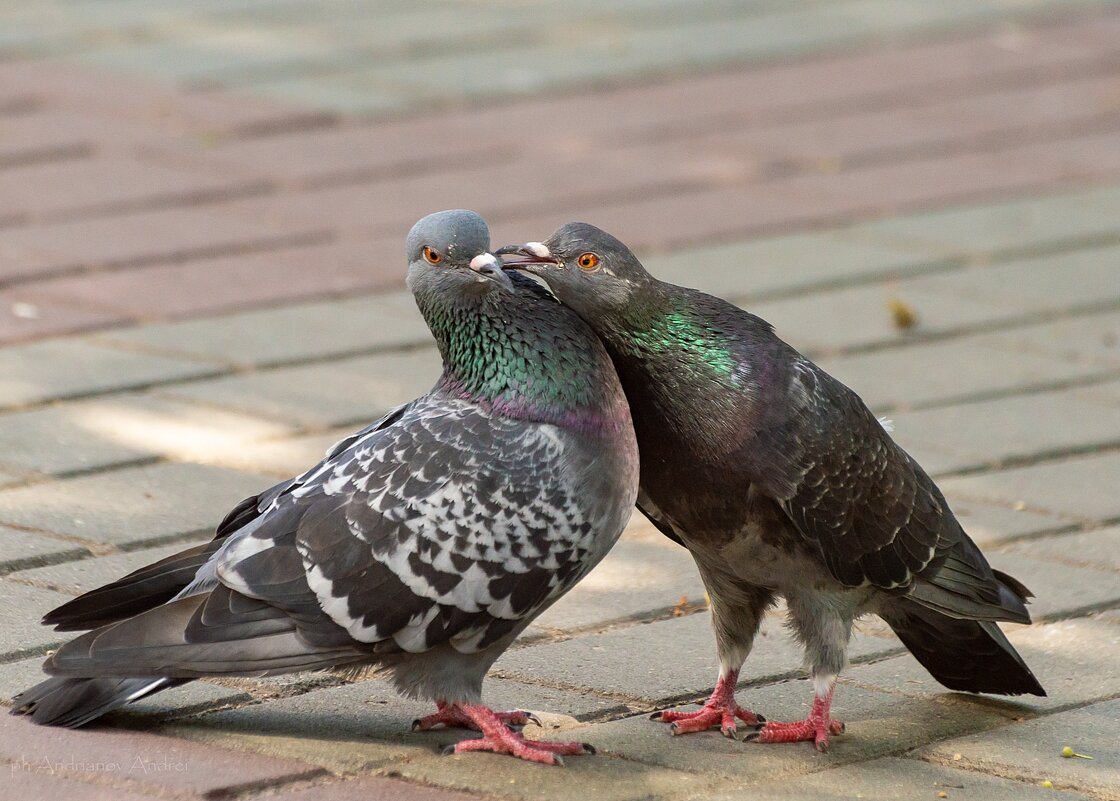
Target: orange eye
pixel 431 256
pixel 588 261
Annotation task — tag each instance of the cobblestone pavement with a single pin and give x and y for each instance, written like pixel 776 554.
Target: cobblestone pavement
pixel 202 208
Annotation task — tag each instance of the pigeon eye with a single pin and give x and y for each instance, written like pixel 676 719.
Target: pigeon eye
pixel 588 261
pixel 431 256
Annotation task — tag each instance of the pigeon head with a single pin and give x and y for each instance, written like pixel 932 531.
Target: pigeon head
pixel 504 340
pixel 448 254
pixel 585 267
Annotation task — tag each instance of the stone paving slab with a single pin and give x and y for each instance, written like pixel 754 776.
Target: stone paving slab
pixel 1071 658
pixel 878 724
pixel 1081 487
pixel 1099 548
pixel 153 236
pixel 941 373
pixel 1015 226
pixel 64 190
pixel 82 575
pixel 288 333
pixel 991 523
pixel 961 299
pixel 787 264
pixel 372 788
pixel 890 779
pixel 1089 338
pixel 132 760
pixel 605 778
pixel 990 433
pixel 25 549
pixel 104 432
pixel 606 662
pixel 22 635
pixel 234 276
pixel 1031 751
pixel 1051 582
pixel 66 368
pixel 365 725
pixel 351 390
pixel 529 65
pixel 39 782
pixel 132 507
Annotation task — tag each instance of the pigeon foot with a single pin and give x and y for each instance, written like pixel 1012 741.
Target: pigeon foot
pixel 815 729
pixel 808 730
pixel 499 739
pixel 451 716
pixel 720 711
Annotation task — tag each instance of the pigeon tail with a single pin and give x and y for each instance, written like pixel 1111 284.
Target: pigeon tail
pixel 137 592
pixel 71 703
pixel 175 641
pixel 967 655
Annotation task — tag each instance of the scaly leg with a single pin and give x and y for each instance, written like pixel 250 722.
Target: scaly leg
pixel 720 710
pixel 737 610
pixel 823 621
pixel 451 716
pixel 499 739
pixel 816 728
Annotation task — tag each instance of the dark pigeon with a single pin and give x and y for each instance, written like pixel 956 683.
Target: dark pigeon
pixel 780 482
pixel 421 545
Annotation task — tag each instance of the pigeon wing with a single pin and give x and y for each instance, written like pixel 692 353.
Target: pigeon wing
pixel 450 525
pixel 867 508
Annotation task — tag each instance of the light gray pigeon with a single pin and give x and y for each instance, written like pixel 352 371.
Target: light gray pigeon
pixel 421 545
pixel 780 481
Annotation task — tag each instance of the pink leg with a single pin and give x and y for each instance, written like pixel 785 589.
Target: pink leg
pixel 499 739
pixel 720 710
pixel 816 728
pixel 450 716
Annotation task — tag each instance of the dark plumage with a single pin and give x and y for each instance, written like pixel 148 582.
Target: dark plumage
pixel 780 481
pixel 421 545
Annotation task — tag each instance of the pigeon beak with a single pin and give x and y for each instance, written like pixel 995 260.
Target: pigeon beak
pixel 489 268
pixel 519 256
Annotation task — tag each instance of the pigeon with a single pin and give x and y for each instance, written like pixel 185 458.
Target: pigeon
pixel 780 482
pixel 421 546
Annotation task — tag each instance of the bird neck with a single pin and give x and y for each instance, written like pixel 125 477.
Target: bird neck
pixel 664 329
pixel 528 359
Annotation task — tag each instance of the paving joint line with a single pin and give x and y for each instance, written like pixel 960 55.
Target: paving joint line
pixel 1010 322
pixel 264 244
pixel 1030 460
pixel 35 156
pixel 148 203
pixel 1005 772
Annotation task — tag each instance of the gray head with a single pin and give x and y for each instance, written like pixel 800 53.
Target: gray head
pixel 584 266
pixel 448 254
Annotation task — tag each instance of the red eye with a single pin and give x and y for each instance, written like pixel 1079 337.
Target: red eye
pixel 588 261
pixel 431 256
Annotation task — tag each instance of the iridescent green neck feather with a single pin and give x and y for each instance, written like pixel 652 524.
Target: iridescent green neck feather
pixel 528 358
pixel 661 329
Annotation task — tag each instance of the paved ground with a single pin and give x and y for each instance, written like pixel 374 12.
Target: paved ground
pixel 202 208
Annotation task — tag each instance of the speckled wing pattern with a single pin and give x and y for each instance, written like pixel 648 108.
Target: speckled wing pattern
pixel 872 513
pixel 448 525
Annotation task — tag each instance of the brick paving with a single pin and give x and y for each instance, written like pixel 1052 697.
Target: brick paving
pixel 201 214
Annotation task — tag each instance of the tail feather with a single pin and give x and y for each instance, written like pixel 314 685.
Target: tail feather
pixel 158 643
pixel 966 654
pixel 71 703
pixel 137 592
